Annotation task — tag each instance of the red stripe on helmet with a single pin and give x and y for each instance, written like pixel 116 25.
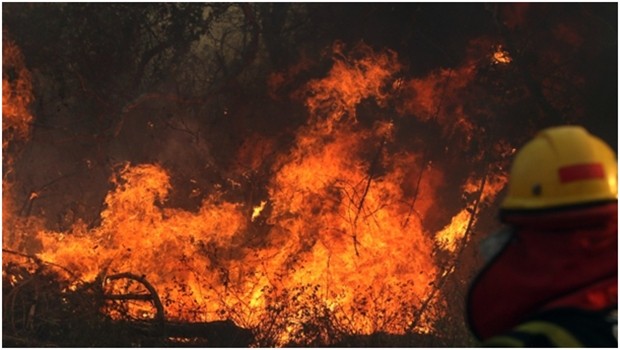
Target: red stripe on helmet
pixel 581 172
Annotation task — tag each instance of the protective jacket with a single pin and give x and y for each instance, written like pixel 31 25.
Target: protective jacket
pixel 554 283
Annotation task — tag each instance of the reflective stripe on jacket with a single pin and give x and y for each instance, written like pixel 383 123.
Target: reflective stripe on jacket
pixel 569 328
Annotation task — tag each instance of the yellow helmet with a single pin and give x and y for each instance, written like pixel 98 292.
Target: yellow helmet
pixel 562 166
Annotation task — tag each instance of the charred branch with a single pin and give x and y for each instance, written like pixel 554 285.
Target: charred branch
pixel 153 296
pixel 371 174
pixel 147 297
pixel 34 302
pixel 41 262
pixel 217 333
pixel 415 193
pixel 36 193
pixel 455 260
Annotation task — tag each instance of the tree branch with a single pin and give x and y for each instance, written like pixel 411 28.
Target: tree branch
pixel 360 205
pixel 153 294
pixel 452 266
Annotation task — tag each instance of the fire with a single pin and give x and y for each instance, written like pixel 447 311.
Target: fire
pixel 349 82
pixel 16 119
pixel 501 56
pixel 16 96
pixel 450 237
pixel 258 209
pixel 166 245
pixel 340 236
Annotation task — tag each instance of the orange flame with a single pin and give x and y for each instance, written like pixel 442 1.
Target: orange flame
pixel 333 234
pixel 501 56
pixel 16 119
pixel 349 82
pixel 451 236
pixel 16 95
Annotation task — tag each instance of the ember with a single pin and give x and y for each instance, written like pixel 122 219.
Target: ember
pixel 164 181
pixel 501 56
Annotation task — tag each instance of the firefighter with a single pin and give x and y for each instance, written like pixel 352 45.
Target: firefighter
pixel 551 279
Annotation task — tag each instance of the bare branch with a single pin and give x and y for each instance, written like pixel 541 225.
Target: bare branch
pixel 415 194
pixel 371 174
pixel 452 266
pixel 153 294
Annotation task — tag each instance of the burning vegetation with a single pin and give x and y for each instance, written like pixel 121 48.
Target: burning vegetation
pixel 215 184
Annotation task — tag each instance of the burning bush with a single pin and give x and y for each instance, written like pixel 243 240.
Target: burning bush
pixel 204 185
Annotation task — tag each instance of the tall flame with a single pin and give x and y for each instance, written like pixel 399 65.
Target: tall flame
pixel 16 120
pixel 339 235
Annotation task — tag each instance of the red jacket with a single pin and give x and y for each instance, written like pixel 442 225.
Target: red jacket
pixel 564 258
